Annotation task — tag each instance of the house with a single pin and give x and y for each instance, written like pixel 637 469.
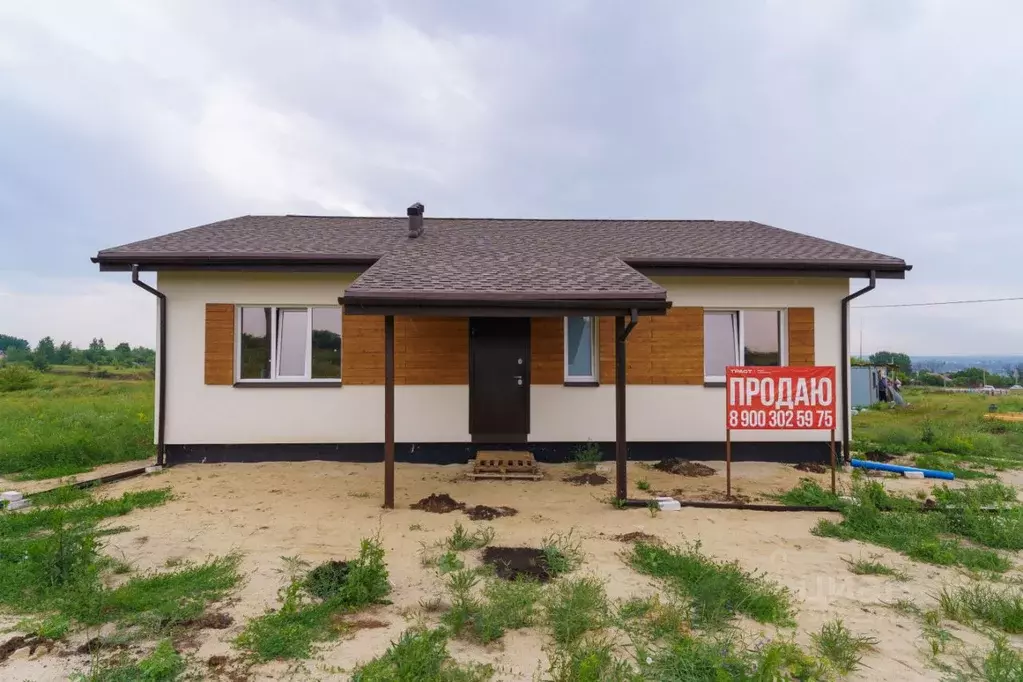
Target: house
pixel 422 339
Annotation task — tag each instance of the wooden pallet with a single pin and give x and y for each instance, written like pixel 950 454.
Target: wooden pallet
pixel 505 465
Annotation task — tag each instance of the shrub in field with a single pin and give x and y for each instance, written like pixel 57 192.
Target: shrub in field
pixel 562 552
pixel 587 456
pixel 461 539
pixel 718 590
pixel 844 650
pixel 420 656
pixel 17 378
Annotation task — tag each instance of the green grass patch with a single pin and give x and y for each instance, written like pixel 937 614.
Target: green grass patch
pixel 717 590
pixel 944 462
pixel 809 493
pixel 869 567
pixel 589 661
pixel 164 664
pixel 840 647
pixel 65 425
pixel 722 658
pixel 25 523
pixel 1001 664
pixel 502 605
pixel 562 552
pixel 291 631
pixel 420 656
pixel 997 607
pixel 573 607
pixel 898 523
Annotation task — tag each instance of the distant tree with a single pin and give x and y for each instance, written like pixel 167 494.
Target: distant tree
pixel 122 355
pixel 143 356
pixel 930 379
pixel 8 343
pixel 17 354
pixel 45 350
pixel 900 360
pixel 970 377
pixel 63 353
pixel 97 353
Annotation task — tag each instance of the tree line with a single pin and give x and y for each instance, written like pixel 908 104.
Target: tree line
pixel 970 377
pixel 47 352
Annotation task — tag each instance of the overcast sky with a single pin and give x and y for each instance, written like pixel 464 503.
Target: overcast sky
pixel 891 125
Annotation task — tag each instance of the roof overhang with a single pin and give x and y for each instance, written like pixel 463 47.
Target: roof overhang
pixel 509 306
pixel 698 267
pixel 264 262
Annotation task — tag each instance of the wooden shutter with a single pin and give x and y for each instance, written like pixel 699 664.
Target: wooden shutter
pixel 219 362
pixel 362 350
pixel 547 351
pixel 664 349
pixel 801 337
pixel 431 351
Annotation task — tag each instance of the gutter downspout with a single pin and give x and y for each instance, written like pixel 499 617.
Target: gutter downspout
pixel 161 369
pixel 846 389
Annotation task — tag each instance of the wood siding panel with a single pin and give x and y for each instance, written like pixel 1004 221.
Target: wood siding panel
pixel 431 351
pixel 362 350
pixel 219 358
pixel 547 351
pixel 801 337
pixel 660 350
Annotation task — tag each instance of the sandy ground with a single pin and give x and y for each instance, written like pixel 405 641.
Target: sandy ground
pixel 319 511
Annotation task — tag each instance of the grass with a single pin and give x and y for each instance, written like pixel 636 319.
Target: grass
pixel 936 537
pixel 1001 664
pixel 717 590
pixel 840 647
pixel 587 456
pixel 574 607
pixel 809 493
pixel 949 426
pixel 503 605
pixel 65 425
pixel 643 485
pixel 164 664
pixel 1001 608
pixel 868 567
pixel 589 661
pixel 291 631
pixel 562 552
pixel 723 658
pixel 420 655
pixel 462 540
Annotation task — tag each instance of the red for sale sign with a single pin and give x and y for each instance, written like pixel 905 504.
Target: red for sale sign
pixel 802 398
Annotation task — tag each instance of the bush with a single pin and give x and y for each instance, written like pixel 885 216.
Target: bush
pixel 586 456
pixel 17 378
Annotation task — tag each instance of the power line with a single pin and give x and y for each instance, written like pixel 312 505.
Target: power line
pixel 930 303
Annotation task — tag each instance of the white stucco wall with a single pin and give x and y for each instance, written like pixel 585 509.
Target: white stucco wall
pixel 201 414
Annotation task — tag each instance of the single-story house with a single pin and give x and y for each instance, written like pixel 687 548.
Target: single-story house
pixel 423 339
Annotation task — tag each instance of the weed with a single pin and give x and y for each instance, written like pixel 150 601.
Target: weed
pixel 164 664
pixel 905 607
pixel 1001 664
pixel 699 659
pixel 573 607
pixel 461 540
pixel 504 605
pixel 936 636
pixel 841 647
pixel 718 590
pixel 589 661
pixel 865 567
pixel 653 507
pixel 586 456
pixel 54 626
pixel 420 656
pixel 415 526
pixel 562 552
pixel 809 493
pixel 449 562
pixel 996 607
pixel 17 378
pixel 618 502
pixel 656 619
pixel 327 579
pixel 643 485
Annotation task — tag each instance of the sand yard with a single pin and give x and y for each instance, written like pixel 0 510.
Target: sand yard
pixel 319 511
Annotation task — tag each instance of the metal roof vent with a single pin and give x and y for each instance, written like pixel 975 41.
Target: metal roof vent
pixel 415 220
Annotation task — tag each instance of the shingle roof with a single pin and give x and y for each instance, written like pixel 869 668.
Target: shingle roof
pixel 560 258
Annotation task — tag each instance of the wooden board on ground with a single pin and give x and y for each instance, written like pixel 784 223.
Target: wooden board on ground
pixel 505 465
pixel 1005 416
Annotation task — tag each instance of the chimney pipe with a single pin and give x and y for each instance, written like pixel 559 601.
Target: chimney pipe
pixel 415 220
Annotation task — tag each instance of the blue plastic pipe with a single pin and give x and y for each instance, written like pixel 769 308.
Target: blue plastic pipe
pixel 881 466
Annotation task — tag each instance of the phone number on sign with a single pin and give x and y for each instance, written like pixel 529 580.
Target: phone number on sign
pixel 780 419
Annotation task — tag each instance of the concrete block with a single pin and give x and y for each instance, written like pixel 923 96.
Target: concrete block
pixel 18 504
pixel 11 496
pixel 154 469
pixel 669 505
pixel 913 474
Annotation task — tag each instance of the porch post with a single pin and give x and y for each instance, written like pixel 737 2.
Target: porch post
pixel 621 453
pixel 389 412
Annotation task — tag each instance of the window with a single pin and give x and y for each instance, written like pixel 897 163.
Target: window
pixel 580 349
pixel 289 344
pixel 742 337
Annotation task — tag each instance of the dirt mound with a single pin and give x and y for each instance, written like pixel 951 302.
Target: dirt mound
pixel 878 456
pixel 33 642
pixel 587 479
pixel 511 562
pixel 684 467
pixel 361 624
pixel 484 513
pixel 438 504
pixel 638 536
pixel 811 467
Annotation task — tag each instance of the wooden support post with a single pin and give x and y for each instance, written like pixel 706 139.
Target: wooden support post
pixel 389 412
pixel 833 484
pixel 728 462
pixel 621 448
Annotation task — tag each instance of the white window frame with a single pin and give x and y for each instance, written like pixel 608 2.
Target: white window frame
pixel 594 352
pixel 739 340
pixel 274 361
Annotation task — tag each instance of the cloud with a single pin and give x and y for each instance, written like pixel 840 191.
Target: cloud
pixel 885 124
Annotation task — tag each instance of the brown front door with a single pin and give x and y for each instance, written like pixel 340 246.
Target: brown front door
pixel 499 379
